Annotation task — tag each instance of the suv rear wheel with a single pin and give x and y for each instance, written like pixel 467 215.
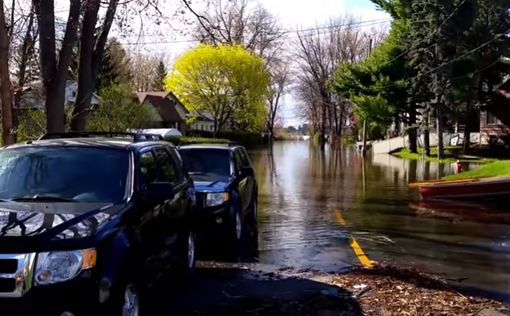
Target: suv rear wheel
pixel 131 306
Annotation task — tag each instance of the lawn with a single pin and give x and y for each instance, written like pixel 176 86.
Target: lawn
pixel 498 168
pixel 452 154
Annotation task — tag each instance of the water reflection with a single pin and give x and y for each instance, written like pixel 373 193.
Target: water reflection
pixel 301 188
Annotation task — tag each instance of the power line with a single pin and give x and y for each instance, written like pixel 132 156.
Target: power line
pixel 465 54
pixel 357 24
pixel 431 34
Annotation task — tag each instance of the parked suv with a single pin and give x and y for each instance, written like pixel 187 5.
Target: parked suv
pixel 226 189
pixel 90 221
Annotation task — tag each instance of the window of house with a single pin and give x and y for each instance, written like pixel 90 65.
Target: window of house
pixel 492 119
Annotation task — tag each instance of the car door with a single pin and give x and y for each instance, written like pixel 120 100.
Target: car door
pixel 251 181
pixel 243 180
pixel 175 210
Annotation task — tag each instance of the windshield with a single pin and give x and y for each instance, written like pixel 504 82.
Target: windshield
pixel 70 174
pixel 206 164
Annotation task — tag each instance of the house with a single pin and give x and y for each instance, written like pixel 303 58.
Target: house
pixel 169 111
pixel 495 118
pixel 33 95
pixel 202 121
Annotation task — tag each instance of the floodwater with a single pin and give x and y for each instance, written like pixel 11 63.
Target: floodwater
pixel 313 204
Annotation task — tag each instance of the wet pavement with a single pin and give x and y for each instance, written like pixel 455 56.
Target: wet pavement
pixel 332 210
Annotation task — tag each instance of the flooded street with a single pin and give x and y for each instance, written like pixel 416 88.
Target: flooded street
pixel 318 209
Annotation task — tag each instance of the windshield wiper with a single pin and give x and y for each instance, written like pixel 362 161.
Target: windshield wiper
pixel 41 198
pixel 196 173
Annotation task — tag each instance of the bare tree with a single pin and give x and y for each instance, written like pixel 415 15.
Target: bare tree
pixel 279 81
pixel 236 22
pixel 92 49
pixel 5 81
pixel 144 71
pixel 319 52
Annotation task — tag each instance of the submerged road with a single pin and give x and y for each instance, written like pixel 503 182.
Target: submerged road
pixel 331 210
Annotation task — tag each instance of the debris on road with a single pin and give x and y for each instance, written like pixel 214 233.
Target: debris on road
pixel 384 290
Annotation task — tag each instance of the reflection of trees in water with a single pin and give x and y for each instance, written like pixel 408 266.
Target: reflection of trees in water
pixel 273 174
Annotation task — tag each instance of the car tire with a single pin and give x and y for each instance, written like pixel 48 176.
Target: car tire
pixel 131 303
pixel 236 229
pixel 191 254
pixel 125 299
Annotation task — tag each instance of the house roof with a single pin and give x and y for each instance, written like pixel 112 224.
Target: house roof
pixel 166 104
pixel 202 116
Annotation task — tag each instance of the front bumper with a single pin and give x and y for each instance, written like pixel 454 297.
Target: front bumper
pixel 214 221
pixel 78 296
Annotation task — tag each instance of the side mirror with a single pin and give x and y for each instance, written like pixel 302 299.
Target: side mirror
pixel 161 191
pixel 247 172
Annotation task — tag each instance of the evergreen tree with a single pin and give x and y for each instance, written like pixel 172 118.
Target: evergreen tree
pixel 115 69
pixel 161 73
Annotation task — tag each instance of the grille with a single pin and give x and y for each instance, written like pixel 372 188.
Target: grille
pixel 8 265
pixel 16 272
pixel 7 285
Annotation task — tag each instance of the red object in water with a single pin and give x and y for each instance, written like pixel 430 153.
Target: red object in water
pixel 491 187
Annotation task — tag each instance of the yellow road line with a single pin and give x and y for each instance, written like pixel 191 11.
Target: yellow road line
pixel 340 219
pixel 358 251
pixel 362 257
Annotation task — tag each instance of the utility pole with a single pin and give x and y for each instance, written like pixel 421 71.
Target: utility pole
pixel 365 119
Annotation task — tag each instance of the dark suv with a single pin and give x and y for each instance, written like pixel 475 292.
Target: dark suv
pixel 90 222
pixel 226 189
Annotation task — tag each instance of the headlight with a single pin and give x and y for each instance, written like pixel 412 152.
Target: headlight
pixel 59 266
pixel 215 199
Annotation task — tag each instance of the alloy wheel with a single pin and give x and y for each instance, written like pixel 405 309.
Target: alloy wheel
pixel 131 305
pixel 191 251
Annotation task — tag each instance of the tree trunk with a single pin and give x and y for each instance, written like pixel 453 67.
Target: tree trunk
pixel 8 135
pixel 91 55
pixel 54 76
pixel 467 127
pixel 470 112
pixel 439 123
pixel 426 136
pixel 413 135
pixel 365 132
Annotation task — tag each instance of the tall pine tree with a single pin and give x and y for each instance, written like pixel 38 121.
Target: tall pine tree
pixel 161 73
pixel 115 69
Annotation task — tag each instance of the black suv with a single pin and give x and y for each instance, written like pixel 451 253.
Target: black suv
pixel 226 189
pixel 89 222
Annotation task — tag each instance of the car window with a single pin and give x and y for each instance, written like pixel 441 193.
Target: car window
pixel 167 168
pixel 72 173
pixel 238 159
pixel 148 168
pixel 245 158
pixel 204 164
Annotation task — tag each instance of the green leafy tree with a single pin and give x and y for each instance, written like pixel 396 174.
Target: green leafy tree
pixel 225 80
pixel 119 111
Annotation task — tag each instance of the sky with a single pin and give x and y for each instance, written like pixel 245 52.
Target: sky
pixel 167 42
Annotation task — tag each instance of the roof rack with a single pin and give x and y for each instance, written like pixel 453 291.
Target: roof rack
pixel 137 137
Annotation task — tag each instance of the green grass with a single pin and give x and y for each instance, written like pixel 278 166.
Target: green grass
pixel 196 140
pixel 452 154
pixel 494 169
